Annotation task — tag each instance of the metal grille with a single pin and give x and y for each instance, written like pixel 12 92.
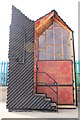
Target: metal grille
pixel 4 73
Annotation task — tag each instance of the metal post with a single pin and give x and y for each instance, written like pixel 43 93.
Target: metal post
pixel 77 63
pixel 57 97
pixel 4 80
pixel 36 78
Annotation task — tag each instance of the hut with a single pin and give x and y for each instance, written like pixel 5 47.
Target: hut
pixel 54 59
pixel 41 64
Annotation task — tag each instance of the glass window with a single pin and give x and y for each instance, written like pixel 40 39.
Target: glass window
pixel 57 35
pixel 58 49
pixel 66 56
pixel 58 57
pixel 49 50
pixel 42 41
pixel 64 31
pixel 66 52
pixel 49 57
pixel 42 54
pixel 66 40
pixel 49 37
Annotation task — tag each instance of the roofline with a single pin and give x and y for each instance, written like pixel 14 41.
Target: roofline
pixel 14 8
pixel 63 21
pixel 45 15
pixel 55 12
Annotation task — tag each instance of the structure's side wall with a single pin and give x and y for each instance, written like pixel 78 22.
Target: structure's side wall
pixel 55 43
pixel 21 65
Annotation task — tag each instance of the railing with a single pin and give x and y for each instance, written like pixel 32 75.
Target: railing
pixel 77 63
pixel 44 83
pixel 3 73
pixel 48 76
pixel 49 85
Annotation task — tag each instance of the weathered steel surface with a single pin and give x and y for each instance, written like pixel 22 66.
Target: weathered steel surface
pixel 65 94
pixel 61 71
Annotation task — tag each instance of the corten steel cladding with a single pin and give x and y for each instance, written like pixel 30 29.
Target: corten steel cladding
pixel 20 94
pixel 62 73
pixel 54 59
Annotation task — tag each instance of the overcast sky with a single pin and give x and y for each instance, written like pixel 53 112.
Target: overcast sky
pixel 67 9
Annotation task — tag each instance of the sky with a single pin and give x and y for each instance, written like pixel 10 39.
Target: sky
pixel 67 9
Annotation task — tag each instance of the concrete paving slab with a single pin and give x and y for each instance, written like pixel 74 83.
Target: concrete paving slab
pixel 63 113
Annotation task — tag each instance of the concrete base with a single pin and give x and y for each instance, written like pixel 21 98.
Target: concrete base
pixel 3 93
pixel 63 113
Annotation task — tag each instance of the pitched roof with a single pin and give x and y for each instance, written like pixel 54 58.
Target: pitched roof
pixel 52 13
pixel 55 17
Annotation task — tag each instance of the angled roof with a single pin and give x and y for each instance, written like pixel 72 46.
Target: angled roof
pixel 45 21
pixel 55 15
pixel 19 13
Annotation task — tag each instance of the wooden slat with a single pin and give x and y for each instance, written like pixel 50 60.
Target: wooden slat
pixel 73 66
pixel 66 106
pixel 45 45
pixel 62 45
pixel 44 27
pixel 54 41
pixel 44 20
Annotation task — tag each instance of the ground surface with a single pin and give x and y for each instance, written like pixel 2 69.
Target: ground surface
pixel 63 113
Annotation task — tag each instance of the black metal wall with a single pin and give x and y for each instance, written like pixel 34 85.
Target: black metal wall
pixel 20 94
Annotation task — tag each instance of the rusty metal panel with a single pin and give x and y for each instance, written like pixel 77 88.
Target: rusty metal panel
pixel 65 94
pixel 61 71
pixel 50 93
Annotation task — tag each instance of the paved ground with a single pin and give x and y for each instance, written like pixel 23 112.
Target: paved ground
pixel 63 113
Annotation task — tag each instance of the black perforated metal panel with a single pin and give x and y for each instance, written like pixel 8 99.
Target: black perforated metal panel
pixel 20 94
